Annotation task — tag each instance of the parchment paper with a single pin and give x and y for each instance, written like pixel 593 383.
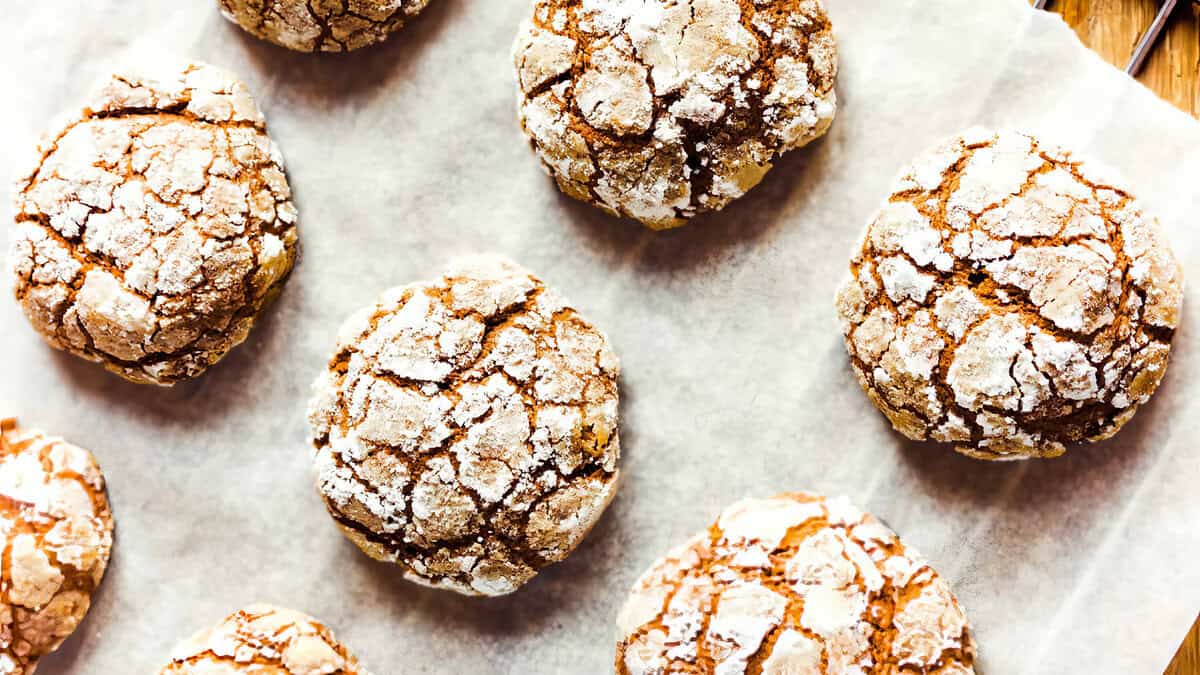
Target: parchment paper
pixel 735 381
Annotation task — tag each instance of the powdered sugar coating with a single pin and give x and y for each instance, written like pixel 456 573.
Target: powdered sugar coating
pixel 264 640
pixel 1010 299
pixel 155 226
pixel 466 429
pixel 57 539
pixel 658 110
pixel 794 584
pixel 321 25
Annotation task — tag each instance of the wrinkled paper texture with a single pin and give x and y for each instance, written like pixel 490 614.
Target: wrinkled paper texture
pixel 735 381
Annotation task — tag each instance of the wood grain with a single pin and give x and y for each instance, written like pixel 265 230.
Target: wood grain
pixel 1112 28
pixel 1187 660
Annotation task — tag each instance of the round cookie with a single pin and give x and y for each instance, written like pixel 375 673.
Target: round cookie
pixel 659 111
pixel 321 25
pixel 154 226
pixel 1009 299
pixel 793 584
pixel 466 428
pixel 265 640
pixel 57 539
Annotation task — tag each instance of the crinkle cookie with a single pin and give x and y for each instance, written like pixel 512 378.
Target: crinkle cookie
pixel 324 25
pixel 57 538
pixel 795 584
pixel 466 428
pixel 154 226
pixel 1009 298
pixel 265 640
pixel 660 110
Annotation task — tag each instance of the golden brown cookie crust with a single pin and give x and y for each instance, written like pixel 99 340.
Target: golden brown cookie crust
pixel 658 110
pixel 57 538
pixel 264 640
pixel 1009 299
pixel 466 429
pixel 796 583
pixel 154 226
pixel 321 25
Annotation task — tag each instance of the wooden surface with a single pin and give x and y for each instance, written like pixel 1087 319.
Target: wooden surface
pixel 1187 661
pixel 1112 28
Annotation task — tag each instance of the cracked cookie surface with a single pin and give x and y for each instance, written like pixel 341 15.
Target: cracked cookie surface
pixel 466 429
pixel 659 110
pixel 57 539
pixel 155 225
pixel 265 640
pixel 1010 299
pixel 793 585
pixel 321 25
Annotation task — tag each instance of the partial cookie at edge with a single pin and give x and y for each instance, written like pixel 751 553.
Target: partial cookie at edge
pixel 795 583
pixel 58 535
pixel 660 111
pixel 260 637
pixel 307 26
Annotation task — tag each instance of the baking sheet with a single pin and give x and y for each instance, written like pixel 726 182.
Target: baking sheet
pixel 735 381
